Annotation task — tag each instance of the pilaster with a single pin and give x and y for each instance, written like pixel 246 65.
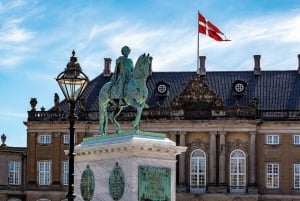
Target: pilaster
pixel 212 157
pixel 222 157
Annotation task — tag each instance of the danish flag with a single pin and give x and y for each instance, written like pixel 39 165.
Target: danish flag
pixel 207 28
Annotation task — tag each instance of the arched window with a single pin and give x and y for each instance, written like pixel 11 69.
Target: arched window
pixel 237 171
pixel 198 171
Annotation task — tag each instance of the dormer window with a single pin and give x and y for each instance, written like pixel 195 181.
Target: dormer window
pixel 162 88
pixel 239 87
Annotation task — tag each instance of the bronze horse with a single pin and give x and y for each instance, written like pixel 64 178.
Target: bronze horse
pixel 135 94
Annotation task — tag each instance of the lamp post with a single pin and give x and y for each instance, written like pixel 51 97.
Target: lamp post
pixel 72 82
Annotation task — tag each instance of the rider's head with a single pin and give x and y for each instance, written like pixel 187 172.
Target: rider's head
pixel 125 50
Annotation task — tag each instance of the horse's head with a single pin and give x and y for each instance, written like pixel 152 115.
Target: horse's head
pixel 142 66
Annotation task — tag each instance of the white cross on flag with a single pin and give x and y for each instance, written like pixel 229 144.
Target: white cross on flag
pixel 207 28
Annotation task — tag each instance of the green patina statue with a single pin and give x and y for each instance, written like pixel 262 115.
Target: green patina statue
pixel 126 88
pixel 123 69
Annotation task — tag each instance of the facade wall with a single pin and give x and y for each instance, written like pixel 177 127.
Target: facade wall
pixel 15 190
pixel 285 154
pixel 249 136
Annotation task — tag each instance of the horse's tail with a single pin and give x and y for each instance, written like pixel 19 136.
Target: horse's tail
pixel 103 102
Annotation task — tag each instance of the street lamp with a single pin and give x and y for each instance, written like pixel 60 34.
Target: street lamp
pixel 72 82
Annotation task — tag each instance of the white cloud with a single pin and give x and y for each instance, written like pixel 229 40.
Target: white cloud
pixel 11 114
pixel 12 32
pixel 9 61
pixel 8 5
pixel 276 37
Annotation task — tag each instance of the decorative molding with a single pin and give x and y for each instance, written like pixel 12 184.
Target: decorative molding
pixel 198 96
pixel 237 144
pixel 197 144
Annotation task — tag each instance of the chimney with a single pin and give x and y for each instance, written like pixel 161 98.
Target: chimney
pixel 299 64
pixel 202 70
pixel 150 66
pixel 257 69
pixel 107 67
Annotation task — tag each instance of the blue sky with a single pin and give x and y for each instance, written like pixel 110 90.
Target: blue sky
pixel 38 36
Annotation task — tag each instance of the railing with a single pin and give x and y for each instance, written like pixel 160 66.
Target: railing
pixel 47 115
pixel 241 113
pixel 279 114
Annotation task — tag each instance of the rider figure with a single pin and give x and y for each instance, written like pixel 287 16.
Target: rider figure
pixel 124 67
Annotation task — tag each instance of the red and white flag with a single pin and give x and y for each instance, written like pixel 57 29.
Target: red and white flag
pixel 207 28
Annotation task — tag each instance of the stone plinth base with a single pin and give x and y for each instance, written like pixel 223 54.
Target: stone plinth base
pixel 217 189
pixel 131 152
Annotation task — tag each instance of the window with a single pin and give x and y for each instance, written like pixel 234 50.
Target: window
pixel 198 171
pixel 297 139
pixel 272 175
pixel 66 139
pixel 44 139
pixel 14 173
pixel 66 172
pixel 44 168
pixel 297 176
pixel 272 139
pixel 237 171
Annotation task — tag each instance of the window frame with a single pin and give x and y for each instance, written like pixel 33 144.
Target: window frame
pixel 200 173
pixel 272 140
pixel 296 176
pixel 275 177
pixel 65 173
pixel 45 139
pixel 14 173
pixel 44 176
pixel 294 139
pixel 239 176
pixel 66 138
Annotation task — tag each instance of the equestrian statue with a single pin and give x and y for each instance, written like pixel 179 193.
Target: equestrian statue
pixel 127 87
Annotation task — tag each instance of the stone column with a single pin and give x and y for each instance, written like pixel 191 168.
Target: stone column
pixel 182 159
pixel 212 157
pixel 252 156
pixel 222 157
pixel 173 136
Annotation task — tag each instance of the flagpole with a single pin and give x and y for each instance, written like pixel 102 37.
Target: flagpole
pixel 198 68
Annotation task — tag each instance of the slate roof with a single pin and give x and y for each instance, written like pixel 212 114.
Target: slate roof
pixel 276 90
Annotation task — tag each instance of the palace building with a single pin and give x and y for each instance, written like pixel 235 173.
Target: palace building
pixel 13 171
pixel 241 130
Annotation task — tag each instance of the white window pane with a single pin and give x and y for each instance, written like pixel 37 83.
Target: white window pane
pixel 237 171
pixel 197 171
pixel 65 173
pixel 14 173
pixel 66 139
pixel 272 175
pixel 295 139
pixel 44 139
pixel 44 172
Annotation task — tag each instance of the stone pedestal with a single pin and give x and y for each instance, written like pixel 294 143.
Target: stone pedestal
pixel 147 161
